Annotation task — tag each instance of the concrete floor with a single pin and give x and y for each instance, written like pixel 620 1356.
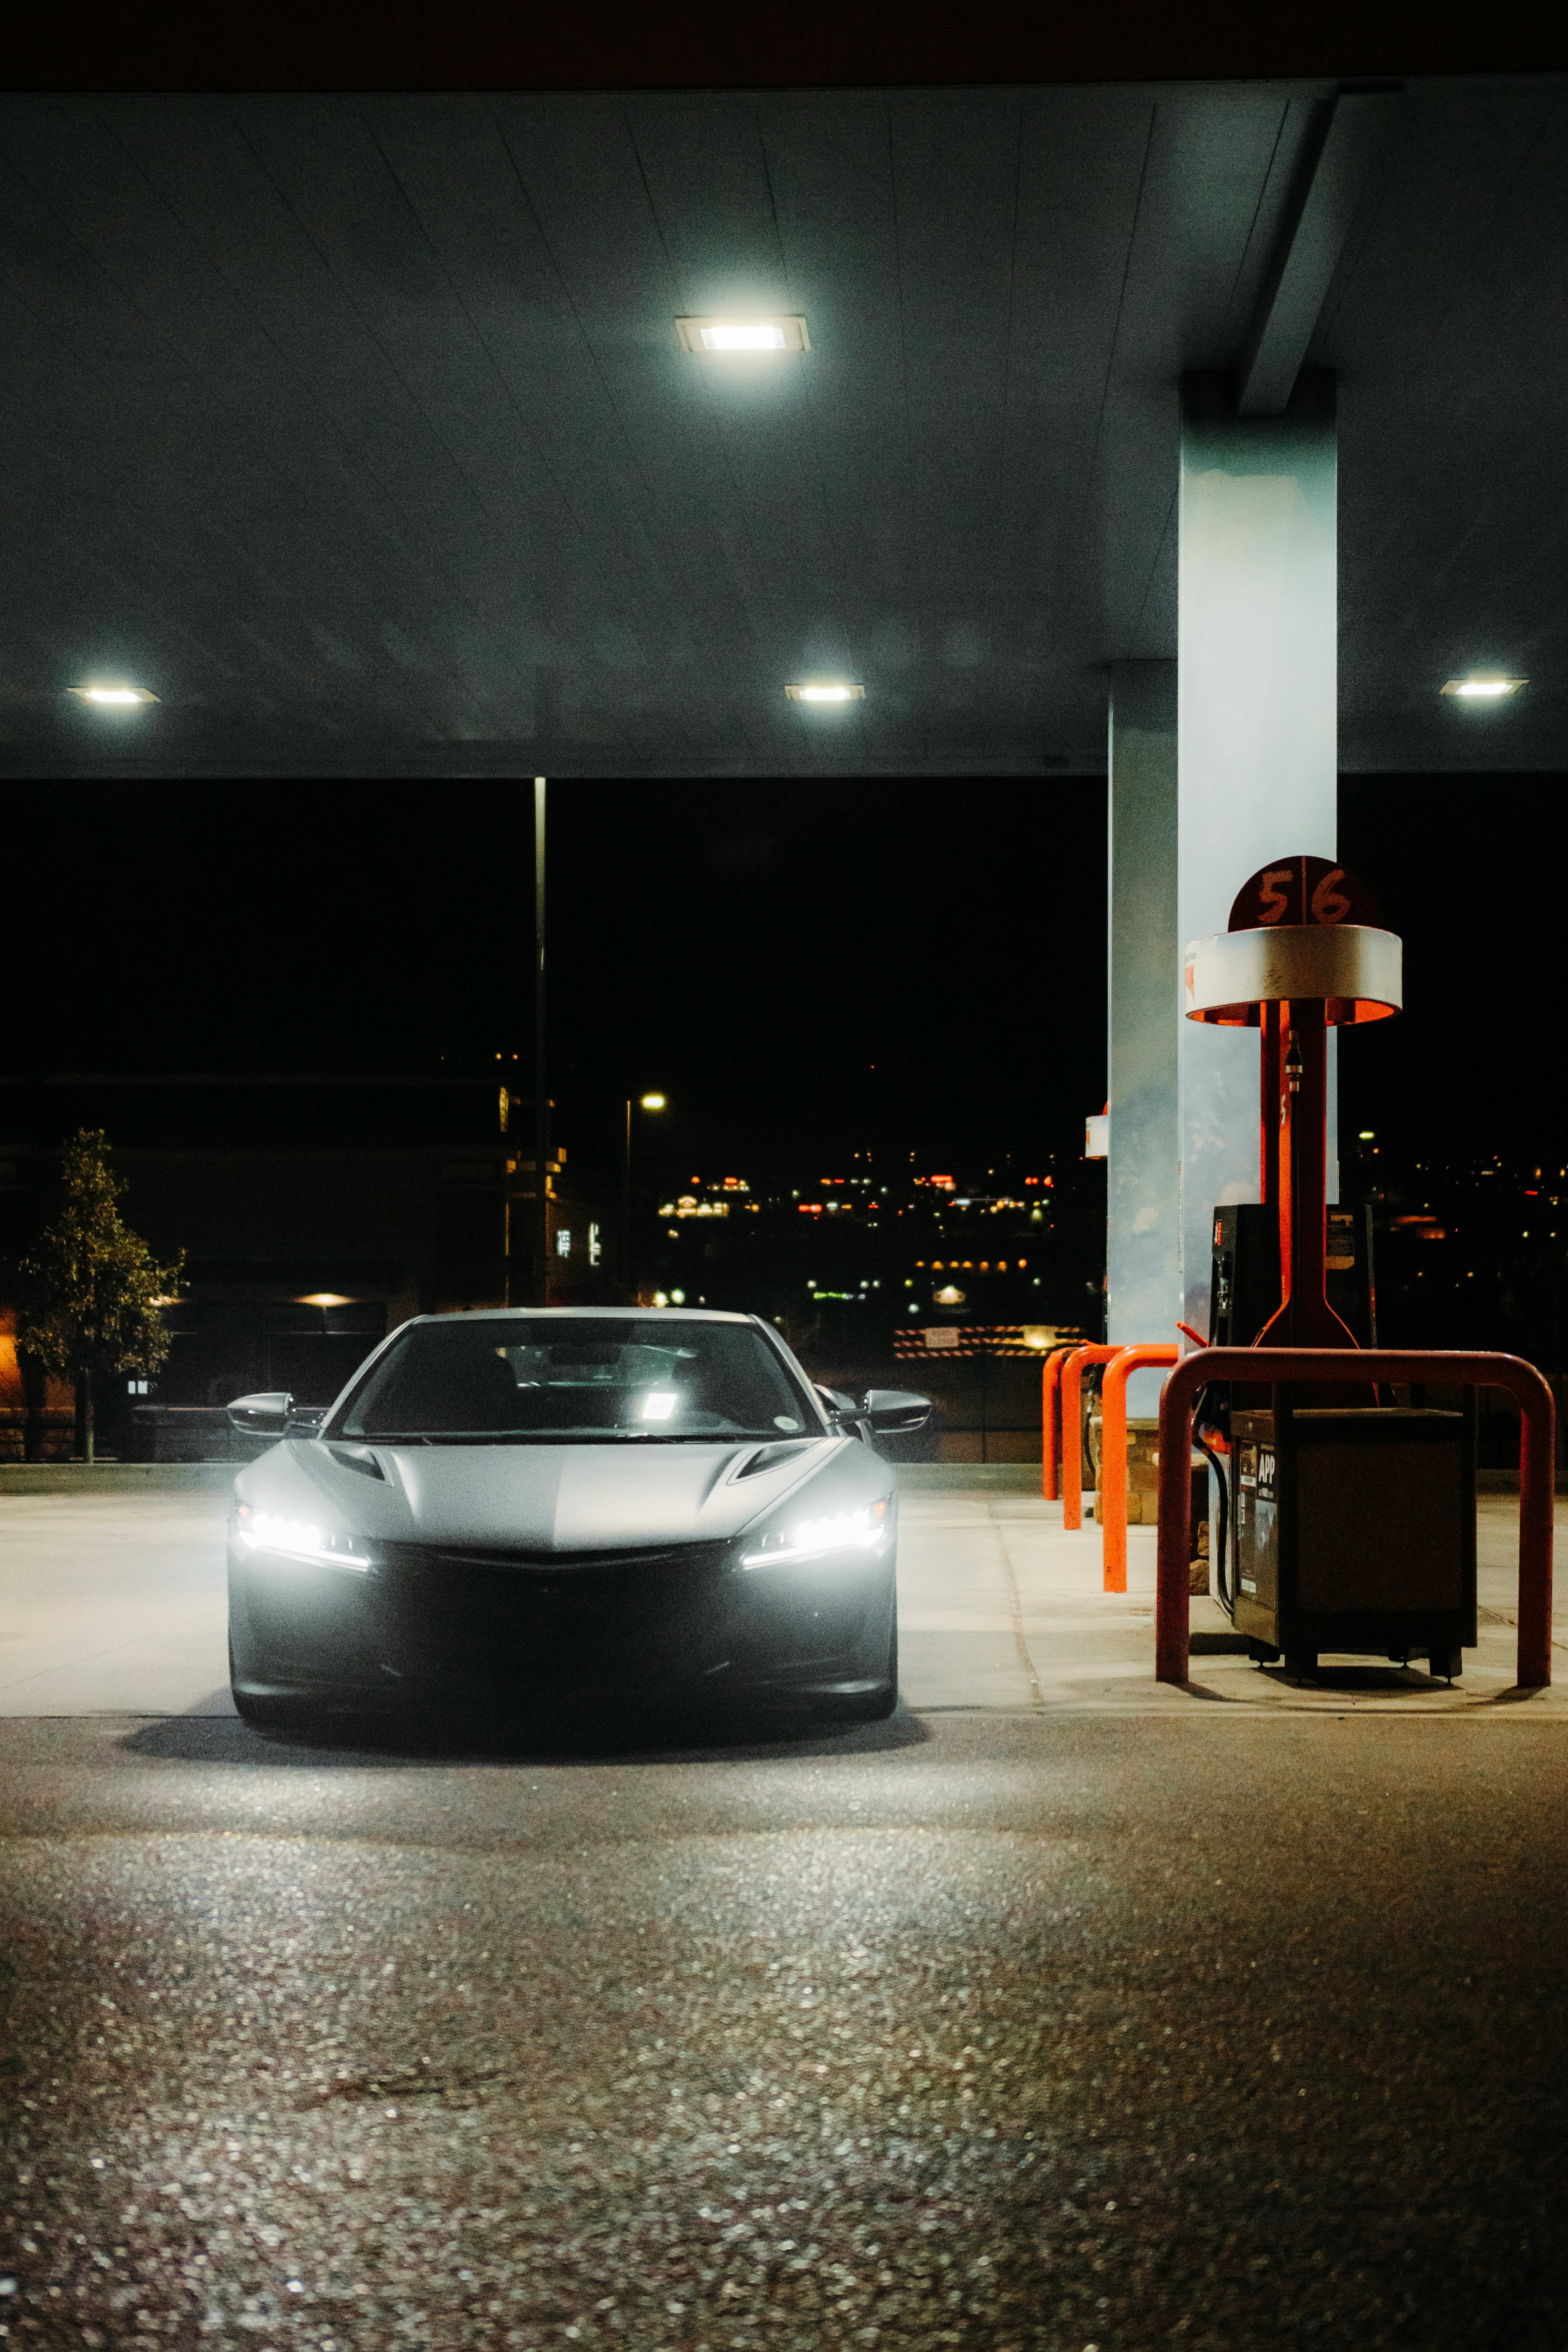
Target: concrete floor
pixel 1058 2014
pixel 114 1603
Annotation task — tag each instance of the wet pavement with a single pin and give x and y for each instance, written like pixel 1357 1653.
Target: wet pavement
pixel 1060 2011
pixel 993 2030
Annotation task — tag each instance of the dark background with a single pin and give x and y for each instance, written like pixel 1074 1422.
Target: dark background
pixel 828 980
pixel 709 44
pixel 806 970
pixel 1465 867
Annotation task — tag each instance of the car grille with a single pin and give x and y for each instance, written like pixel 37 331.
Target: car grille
pixel 480 1613
pixel 498 1559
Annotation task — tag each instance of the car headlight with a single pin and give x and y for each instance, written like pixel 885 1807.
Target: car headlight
pixel 299 1539
pixel 849 1533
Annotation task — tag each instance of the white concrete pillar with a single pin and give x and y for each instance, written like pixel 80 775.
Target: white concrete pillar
pixel 1143 1258
pixel 1256 738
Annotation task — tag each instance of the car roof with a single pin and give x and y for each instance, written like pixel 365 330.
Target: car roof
pixel 588 1314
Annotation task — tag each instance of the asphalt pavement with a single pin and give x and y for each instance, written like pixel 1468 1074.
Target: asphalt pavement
pixel 1055 2012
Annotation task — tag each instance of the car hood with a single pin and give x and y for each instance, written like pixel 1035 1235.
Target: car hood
pixel 552 1498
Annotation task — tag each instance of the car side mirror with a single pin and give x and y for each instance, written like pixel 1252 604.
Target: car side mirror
pixel 304 1420
pixel 892 1411
pixel 264 1414
pixel 841 1408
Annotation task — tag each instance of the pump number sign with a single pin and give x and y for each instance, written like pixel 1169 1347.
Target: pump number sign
pixel 1304 890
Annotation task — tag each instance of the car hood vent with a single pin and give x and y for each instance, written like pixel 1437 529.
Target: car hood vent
pixel 767 1458
pixel 357 1457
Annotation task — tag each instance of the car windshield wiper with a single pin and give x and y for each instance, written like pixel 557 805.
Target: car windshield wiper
pixel 382 1438
pixel 566 1437
pixel 697 1436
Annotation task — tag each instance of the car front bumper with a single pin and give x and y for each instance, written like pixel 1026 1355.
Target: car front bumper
pixel 433 1623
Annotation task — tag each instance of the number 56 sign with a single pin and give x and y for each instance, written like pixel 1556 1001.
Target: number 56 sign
pixel 1304 890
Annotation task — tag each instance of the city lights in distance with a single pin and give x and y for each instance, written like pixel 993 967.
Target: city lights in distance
pixel 732 335
pixel 1483 689
pixel 827 691
pixel 113 698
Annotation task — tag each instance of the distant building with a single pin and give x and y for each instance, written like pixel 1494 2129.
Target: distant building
pixel 315 1212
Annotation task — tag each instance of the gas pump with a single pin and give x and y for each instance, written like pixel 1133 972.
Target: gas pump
pixel 1350 1522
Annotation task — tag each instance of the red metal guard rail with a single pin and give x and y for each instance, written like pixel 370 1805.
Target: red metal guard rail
pixel 1114 1454
pixel 1073 1429
pixel 1051 1421
pixel 1444 1365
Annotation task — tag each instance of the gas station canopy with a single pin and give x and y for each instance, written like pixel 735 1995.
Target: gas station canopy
pixel 485 434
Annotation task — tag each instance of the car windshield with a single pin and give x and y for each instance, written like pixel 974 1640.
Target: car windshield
pixel 492 1379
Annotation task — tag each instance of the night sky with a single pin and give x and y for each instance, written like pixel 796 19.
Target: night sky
pixel 806 969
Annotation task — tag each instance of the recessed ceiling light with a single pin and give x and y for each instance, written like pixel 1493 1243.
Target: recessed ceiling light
pixel 705 335
pixel 112 697
pixel 834 692
pixel 324 1299
pixel 1484 688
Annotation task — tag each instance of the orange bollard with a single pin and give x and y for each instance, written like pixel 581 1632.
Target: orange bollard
pixel 1051 1421
pixel 1114 1454
pixel 1073 1430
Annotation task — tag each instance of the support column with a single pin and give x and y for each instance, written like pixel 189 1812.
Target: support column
pixel 1143 1200
pixel 1256 738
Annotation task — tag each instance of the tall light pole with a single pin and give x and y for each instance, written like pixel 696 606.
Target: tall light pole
pixel 629 1270
pixel 541 1085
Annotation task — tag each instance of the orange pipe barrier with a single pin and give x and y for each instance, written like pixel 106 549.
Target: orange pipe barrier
pixel 1114 1456
pixel 1073 1429
pixel 1051 1421
pixel 1536 1457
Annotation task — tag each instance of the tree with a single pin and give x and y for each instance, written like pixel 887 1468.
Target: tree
pixel 94 1291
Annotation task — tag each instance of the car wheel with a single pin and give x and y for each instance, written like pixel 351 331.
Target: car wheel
pixel 877 1705
pixel 262 1714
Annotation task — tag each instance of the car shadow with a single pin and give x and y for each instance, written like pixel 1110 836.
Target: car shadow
pixel 388 1743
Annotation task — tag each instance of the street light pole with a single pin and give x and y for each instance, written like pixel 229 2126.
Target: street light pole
pixel 541 1083
pixel 629 1268
pixel 626 1274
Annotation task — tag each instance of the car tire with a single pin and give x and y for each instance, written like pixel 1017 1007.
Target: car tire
pixel 877 1705
pixel 262 1714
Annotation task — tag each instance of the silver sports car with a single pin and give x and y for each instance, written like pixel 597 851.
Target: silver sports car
pixel 575 1503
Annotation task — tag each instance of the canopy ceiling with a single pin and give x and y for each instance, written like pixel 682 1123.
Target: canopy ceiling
pixel 360 431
